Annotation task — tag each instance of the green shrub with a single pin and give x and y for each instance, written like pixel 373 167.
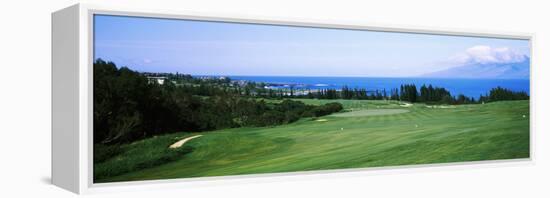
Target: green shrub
pixel 327 109
pixel 104 152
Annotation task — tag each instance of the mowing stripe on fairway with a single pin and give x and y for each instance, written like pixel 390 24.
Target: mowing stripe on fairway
pixel 370 112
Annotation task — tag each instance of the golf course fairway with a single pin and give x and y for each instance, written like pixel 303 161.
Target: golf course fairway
pixel 354 138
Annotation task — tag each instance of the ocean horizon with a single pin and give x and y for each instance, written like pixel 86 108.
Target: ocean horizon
pixel 471 87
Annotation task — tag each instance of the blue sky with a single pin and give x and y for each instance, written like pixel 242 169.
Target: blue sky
pixel 216 48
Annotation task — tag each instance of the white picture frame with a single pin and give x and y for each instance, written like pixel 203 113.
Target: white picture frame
pixel 72 134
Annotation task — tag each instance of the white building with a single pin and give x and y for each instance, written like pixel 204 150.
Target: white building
pixel 160 80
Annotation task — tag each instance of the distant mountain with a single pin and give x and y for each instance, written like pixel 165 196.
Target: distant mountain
pixel 517 70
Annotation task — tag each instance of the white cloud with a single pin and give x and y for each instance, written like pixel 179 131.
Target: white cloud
pixel 486 54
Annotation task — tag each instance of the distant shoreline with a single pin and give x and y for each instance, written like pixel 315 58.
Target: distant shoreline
pixel 469 87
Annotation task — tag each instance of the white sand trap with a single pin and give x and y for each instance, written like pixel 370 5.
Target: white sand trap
pixel 321 120
pixel 371 112
pixel 181 142
pixel 406 104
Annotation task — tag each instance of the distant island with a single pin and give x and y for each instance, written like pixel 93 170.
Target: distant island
pixel 511 70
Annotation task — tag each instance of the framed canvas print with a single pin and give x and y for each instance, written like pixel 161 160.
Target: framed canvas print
pixel 149 97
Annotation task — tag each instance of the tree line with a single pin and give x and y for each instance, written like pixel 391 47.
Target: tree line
pixel 407 92
pixel 499 94
pixel 430 94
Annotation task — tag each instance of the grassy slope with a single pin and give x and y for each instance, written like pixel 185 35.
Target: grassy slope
pixel 423 135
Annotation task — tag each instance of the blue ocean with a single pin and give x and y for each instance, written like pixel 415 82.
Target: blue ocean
pixel 469 87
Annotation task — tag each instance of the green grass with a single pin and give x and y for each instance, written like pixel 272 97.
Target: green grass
pixel 371 112
pixel 350 104
pixel 138 155
pixel 422 135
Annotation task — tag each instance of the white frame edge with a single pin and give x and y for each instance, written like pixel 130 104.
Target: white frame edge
pixel 72 61
pixel 65 168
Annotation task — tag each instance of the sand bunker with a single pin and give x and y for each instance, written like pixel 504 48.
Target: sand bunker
pixel 181 142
